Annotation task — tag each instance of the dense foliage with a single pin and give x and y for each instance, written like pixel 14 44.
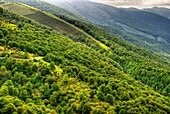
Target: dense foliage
pixel 71 78
pixel 128 23
pixel 149 43
pixel 143 64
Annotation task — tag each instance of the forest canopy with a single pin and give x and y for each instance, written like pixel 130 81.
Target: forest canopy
pixel 44 71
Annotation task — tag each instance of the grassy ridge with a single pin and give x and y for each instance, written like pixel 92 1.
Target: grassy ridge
pixel 51 21
pixel 39 16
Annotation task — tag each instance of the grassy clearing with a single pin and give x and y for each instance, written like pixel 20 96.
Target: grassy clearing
pixel 16 54
pixel 19 9
pixel 20 55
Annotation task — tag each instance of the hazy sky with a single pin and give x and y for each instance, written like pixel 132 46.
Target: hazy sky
pixel 127 3
pixel 136 3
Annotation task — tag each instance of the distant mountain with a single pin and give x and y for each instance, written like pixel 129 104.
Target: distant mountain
pixel 124 19
pixel 165 12
pixel 147 29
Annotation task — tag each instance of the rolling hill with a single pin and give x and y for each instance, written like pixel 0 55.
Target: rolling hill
pixel 165 12
pixel 51 21
pixel 112 47
pixel 156 44
pixel 140 27
pixel 75 77
pixel 41 4
pixel 119 17
pixel 41 17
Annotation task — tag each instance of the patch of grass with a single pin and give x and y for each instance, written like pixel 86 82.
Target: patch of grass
pixel 19 9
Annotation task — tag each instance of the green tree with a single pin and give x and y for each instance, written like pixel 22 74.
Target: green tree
pixel 110 99
pixel 28 86
pixel 55 98
pixel 19 78
pixel 92 93
pixel 100 95
pixel 4 91
pixel 55 87
pixel 102 87
pixel 45 90
pixel 107 90
pixel 52 66
pixel 98 111
pixel 9 109
pixel 122 111
pixel 86 108
pixel 24 95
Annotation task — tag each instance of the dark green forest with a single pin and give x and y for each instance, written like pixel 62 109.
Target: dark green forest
pixel 75 76
pixel 140 63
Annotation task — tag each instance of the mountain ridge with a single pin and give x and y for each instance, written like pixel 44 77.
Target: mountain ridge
pixel 137 37
pixel 160 11
pixel 147 29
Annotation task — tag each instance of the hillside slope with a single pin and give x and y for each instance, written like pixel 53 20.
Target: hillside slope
pixel 151 32
pixel 156 44
pixel 131 17
pixel 71 78
pixel 128 57
pixel 53 22
pixel 165 12
pixel 41 4
pixel 42 17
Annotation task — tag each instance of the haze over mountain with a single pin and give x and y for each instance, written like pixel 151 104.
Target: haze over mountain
pixel 126 3
pixel 142 28
pixel 160 11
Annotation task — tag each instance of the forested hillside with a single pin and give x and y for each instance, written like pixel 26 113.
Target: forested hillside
pixel 147 29
pixel 154 43
pixel 143 64
pixel 45 71
pixel 128 56
pixel 54 22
